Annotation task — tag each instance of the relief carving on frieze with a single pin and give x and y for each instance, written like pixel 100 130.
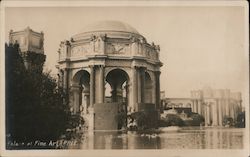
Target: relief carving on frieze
pixel 117 48
pixel 79 50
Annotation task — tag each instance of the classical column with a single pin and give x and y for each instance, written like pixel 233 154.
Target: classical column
pixel 92 86
pixel 101 84
pixel 192 106
pixel 220 115
pixel 135 88
pixel 206 115
pixel 214 113
pixel 199 106
pixel 195 106
pixel 114 95
pixel 76 98
pixel 142 71
pixel 227 107
pixel 154 91
pixel 157 92
pixel 209 114
pixel 66 79
pixel 139 85
pixel 119 95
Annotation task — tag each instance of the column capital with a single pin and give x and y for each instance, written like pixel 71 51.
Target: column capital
pixel 91 66
pixel 98 65
pixel 157 72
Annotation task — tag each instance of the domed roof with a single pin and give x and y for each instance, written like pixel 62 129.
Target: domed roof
pixel 114 26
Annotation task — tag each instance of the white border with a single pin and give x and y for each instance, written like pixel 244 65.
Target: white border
pixel 121 153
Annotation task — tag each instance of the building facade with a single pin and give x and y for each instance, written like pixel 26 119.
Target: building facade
pixel 31 47
pixel 213 104
pixel 109 62
pixel 217 104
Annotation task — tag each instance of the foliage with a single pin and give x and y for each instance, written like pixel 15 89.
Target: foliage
pixel 145 119
pixel 197 119
pixel 240 120
pixel 172 120
pixel 35 108
pixel 228 121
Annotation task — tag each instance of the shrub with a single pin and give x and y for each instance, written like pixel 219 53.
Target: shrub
pixel 240 120
pixel 172 120
pixel 228 121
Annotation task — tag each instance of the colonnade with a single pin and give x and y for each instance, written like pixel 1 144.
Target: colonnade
pixel 215 110
pixel 140 88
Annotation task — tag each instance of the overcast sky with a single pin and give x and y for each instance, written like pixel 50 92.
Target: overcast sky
pixel 200 46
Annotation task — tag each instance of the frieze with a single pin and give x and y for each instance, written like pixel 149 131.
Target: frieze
pixel 117 48
pixel 62 52
pixel 80 50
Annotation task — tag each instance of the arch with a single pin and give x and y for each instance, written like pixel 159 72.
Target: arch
pixel 118 80
pixel 180 105
pixel 125 70
pixel 188 105
pixel 81 77
pixel 80 91
pixel 148 88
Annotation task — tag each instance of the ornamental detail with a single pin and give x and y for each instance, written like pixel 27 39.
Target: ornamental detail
pixel 117 48
pixel 80 50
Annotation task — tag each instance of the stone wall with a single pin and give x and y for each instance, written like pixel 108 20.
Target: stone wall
pixel 105 116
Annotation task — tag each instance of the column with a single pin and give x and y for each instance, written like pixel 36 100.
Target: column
pixel 195 106
pixel 157 92
pixel 65 79
pixel 192 106
pixel 206 115
pixel 139 85
pixel 154 91
pixel 209 114
pixel 199 106
pixel 134 89
pixel 92 86
pixel 214 113
pixel 220 115
pixel 227 107
pixel 76 98
pixel 142 71
pixel 101 84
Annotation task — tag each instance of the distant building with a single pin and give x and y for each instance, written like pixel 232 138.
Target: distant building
pixel 109 55
pixel 212 104
pixel 31 47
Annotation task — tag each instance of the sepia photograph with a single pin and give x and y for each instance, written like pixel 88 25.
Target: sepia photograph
pixel 166 78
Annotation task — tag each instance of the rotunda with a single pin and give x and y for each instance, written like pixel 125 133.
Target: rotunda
pixel 110 62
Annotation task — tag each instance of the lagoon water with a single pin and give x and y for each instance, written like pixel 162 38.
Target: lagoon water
pixel 186 138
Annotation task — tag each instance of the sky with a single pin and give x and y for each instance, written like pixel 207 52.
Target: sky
pixel 200 46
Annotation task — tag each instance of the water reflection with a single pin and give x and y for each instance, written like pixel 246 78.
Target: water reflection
pixel 187 138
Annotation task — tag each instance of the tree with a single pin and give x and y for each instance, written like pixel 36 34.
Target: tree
pixel 240 120
pixel 36 109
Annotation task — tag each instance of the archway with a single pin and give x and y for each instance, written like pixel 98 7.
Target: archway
pixel 80 91
pixel 117 81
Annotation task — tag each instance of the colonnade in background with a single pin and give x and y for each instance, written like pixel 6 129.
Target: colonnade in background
pixel 214 110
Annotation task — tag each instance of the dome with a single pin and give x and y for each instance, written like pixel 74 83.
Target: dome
pixel 113 26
